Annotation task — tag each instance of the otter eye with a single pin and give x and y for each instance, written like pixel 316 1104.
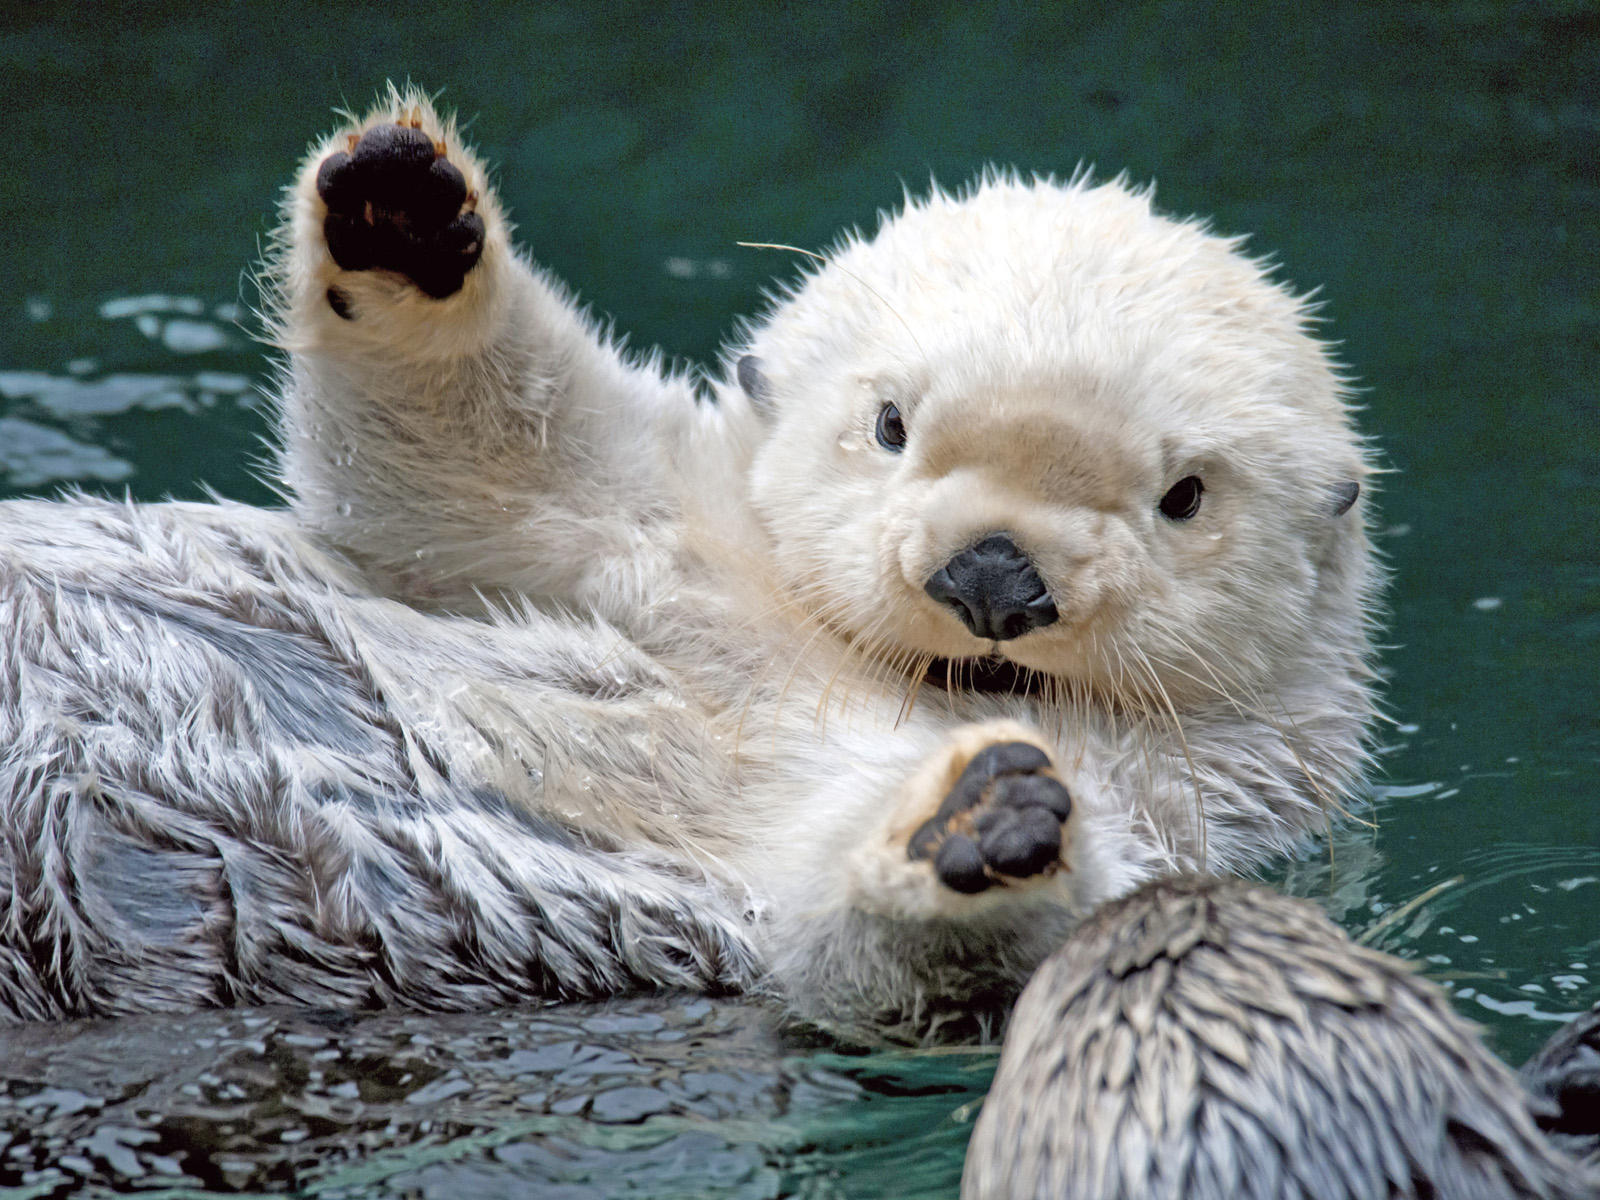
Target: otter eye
pixel 891 429
pixel 1182 500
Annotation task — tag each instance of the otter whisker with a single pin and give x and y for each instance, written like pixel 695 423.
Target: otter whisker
pixel 1264 712
pixel 819 616
pixel 919 669
pixel 900 674
pixel 854 647
pixel 1171 711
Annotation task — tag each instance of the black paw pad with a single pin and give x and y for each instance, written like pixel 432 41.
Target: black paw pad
pixel 1001 820
pixel 395 204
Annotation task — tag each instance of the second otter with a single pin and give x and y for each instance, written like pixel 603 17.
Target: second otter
pixel 1212 1040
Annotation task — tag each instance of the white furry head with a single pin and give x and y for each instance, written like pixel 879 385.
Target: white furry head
pixel 1062 360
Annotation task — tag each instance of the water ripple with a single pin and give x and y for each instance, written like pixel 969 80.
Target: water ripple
pixel 32 455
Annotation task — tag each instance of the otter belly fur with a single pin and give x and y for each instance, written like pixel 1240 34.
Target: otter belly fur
pixel 563 673
pixel 1204 1039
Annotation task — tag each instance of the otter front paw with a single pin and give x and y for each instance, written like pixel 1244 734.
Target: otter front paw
pixel 1001 820
pixel 397 203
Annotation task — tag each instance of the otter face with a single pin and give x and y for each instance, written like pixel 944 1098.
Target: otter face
pixel 1043 423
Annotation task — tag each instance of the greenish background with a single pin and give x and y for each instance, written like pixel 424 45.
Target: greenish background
pixel 1432 169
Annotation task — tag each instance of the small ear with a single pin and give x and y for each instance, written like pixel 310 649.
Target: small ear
pixel 1344 496
pixel 754 382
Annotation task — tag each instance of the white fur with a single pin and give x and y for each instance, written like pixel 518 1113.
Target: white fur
pixel 489 469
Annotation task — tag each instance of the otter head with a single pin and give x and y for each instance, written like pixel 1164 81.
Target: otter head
pixel 1043 423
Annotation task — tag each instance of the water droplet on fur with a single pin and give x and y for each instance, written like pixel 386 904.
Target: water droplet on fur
pixel 344 509
pixel 850 439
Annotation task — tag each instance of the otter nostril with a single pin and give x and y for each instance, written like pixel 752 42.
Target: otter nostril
pixel 942 587
pixel 994 589
pixel 1042 610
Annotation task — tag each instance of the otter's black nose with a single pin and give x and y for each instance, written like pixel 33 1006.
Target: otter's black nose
pixel 994 590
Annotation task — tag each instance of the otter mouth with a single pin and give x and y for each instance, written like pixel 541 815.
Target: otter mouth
pixel 991 676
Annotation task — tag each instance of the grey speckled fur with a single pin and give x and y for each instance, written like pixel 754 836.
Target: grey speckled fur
pixel 284 833
pixel 1210 1040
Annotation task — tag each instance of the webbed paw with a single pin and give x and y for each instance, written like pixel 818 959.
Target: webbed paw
pixel 397 203
pixel 1000 822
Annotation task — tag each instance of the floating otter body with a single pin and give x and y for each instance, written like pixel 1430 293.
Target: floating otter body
pixel 560 677
pixel 1202 1039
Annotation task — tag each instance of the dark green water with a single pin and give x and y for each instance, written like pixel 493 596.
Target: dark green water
pixel 1434 169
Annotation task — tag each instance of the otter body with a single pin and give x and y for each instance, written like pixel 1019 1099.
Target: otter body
pixel 558 677
pixel 1204 1038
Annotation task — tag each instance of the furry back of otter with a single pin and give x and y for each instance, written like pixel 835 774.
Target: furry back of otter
pixel 1015 555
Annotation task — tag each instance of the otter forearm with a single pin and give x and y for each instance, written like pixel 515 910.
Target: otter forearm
pixel 451 419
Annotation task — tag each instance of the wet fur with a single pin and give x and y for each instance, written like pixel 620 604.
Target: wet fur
pixel 558 677
pixel 1202 1040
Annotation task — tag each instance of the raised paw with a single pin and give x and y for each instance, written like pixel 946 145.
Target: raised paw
pixel 1001 820
pixel 397 203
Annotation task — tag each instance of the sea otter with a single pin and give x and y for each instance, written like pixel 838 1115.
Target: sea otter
pixel 1016 555
pixel 1204 1039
